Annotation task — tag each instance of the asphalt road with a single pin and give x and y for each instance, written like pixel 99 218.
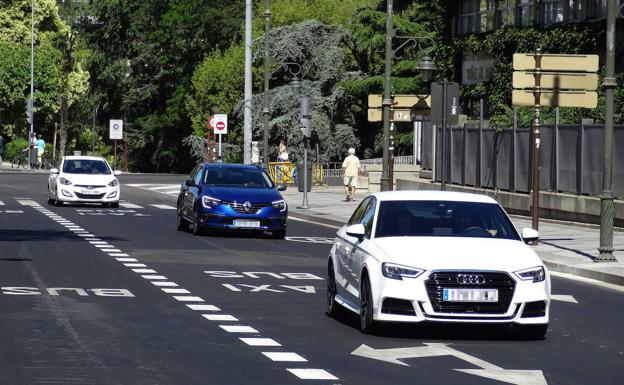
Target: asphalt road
pixel 117 296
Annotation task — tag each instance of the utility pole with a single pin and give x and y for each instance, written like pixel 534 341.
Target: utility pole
pixel 93 139
pixel 606 198
pixel 248 107
pixel 267 77
pixel 386 103
pixel 536 142
pixel 32 79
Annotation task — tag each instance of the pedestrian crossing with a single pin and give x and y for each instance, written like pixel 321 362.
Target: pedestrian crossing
pixel 168 189
pixel 7 206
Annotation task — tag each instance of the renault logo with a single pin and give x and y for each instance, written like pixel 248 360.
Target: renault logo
pixel 470 279
pixel 247 206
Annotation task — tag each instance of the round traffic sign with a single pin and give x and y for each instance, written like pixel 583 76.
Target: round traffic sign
pixel 220 126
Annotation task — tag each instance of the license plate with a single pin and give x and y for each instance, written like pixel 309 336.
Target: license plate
pixel 470 295
pixel 90 192
pixel 246 223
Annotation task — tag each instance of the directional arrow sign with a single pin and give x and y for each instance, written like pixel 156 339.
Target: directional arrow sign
pixel 560 81
pixel 550 98
pixel 549 62
pixel 488 370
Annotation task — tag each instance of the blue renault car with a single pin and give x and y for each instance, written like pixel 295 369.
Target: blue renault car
pixel 231 197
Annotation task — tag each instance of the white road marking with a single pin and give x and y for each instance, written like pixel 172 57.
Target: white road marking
pixel 238 329
pixel 231 287
pixel 312 374
pixel 172 192
pixel 203 307
pixel 588 280
pixel 14 211
pixel 164 284
pixel 321 240
pixel 219 317
pixel 129 205
pixel 119 255
pixel 127 259
pixel 188 298
pixel 154 277
pixel 284 357
pixel 98 242
pixel 135 265
pixel 176 291
pixel 87 235
pixel 164 207
pixel 563 298
pixel 260 342
pixel 105 246
pixel 144 271
pixel 111 250
pixel 1 203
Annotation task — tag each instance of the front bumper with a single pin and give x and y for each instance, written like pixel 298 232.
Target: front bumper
pixel 71 193
pixel 409 300
pixel 267 219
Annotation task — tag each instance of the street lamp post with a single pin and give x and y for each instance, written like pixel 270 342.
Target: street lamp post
pixel 32 81
pixel 93 139
pixel 386 103
pixel 267 77
pixel 606 198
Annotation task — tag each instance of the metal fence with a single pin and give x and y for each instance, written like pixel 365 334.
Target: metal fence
pixel 571 158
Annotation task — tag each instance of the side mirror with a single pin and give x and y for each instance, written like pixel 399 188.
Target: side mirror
pixel 191 183
pixel 54 170
pixel 281 187
pixel 117 172
pixel 356 230
pixel 529 235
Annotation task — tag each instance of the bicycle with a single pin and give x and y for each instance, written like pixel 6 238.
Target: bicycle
pixel 21 160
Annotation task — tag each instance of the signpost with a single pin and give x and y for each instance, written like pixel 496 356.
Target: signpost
pixel 219 123
pixel 445 94
pixel 554 81
pixel 115 133
pixel 403 107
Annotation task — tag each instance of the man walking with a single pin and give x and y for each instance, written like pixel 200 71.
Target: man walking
pixel 350 173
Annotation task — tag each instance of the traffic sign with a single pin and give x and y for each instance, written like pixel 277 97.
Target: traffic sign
pixel 557 80
pixel 115 129
pixel 551 62
pixel 219 123
pixel 550 98
pixel 401 101
pixel 452 103
pixel 374 101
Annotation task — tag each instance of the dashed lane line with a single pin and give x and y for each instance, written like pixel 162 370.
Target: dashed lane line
pixel 194 303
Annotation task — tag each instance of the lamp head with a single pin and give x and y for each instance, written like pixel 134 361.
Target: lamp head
pixel 295 84
pixel 426 67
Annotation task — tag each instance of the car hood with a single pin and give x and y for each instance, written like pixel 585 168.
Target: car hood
pixel 88 179
pixel 437 253
pixel 242 194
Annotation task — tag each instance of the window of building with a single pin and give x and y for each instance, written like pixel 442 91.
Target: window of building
pixel 577 10
pixel 525 12
pixel 506 13
pixel 552 11
pixel 596 9
pixel 487 13
pixel 468 17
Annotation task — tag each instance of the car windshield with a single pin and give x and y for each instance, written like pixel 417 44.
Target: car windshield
pixel 86 166
pixel 443 219
pixel 238 177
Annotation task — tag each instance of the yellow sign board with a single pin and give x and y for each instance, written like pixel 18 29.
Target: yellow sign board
pixel 525 98
pixel 557 80
pixel 551 62
pixel 401 101
pixel 396 114
pixel 375 115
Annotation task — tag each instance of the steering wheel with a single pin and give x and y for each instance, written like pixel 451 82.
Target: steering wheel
pixel 475 230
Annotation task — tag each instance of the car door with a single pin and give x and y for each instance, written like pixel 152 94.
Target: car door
pixel 186 197
pixel 346 245
pixel 360 251
pixel 53 180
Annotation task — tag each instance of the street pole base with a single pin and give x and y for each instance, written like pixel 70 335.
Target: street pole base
pixel 606 255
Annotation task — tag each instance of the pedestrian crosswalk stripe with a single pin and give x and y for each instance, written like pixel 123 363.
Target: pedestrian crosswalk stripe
pixel 163 207
pixel 563 298
pixel 284 357
pixel 1 203
pixel 168 189
pixel 312 374
pixel 257 341
pixel 129 205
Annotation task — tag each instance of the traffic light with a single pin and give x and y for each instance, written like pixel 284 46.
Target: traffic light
pixel 29 110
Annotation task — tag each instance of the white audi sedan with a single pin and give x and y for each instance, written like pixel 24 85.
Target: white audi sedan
pixel 414 256
pixel 84 179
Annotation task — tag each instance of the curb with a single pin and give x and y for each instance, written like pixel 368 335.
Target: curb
pixel 587 273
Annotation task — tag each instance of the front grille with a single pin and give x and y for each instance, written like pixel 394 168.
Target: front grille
pixel 89 196
pixel 89 186
pixel 397 306
pixel 239 207
pixel 440 280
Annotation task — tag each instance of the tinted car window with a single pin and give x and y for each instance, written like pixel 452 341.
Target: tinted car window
pixel 443 218
pixel 86 166
pixel 237 177
pixel 368 216
pixel 357 214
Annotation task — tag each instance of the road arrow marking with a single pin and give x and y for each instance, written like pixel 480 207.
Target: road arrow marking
pixel 563 298
pixel 488 370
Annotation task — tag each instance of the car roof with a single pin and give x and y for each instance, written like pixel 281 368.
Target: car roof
pixel 431 195
pixel 231 165
pixel 81 157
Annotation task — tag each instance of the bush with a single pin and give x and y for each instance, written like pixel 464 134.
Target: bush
pixel 13 148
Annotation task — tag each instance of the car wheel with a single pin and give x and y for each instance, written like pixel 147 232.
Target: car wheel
pixel 367 324
pixel 197 228
pixel 181 223
pixel 114 205
pixel 50 200
pixel 532 332
pixel 281 234
pixel 332 309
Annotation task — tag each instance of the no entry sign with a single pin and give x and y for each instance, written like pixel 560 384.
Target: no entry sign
pixel 219 123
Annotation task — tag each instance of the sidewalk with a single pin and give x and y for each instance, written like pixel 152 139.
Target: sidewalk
pixel 564 246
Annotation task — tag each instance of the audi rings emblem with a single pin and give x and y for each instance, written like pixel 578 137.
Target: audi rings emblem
pixel 247 206
pixel 470 279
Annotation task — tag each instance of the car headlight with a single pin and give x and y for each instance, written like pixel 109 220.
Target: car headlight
pixel 281 205
pixel 64 181
pixel 114 183
pixel 536 274
pixel 394 271
pixel 210 202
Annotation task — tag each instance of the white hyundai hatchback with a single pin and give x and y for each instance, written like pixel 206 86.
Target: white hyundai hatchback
pixel 84 179
pixel 414 256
